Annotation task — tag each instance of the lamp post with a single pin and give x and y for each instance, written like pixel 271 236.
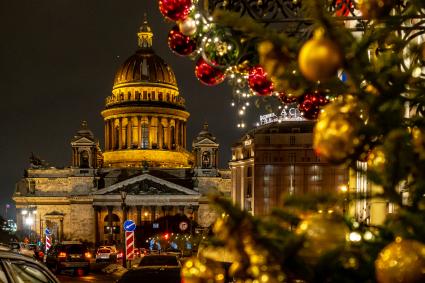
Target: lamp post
pixel 124 216
pixel 344 190
pixel 29 219
pixel 191 210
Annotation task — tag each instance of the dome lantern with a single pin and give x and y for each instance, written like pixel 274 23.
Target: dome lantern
pixel 145 34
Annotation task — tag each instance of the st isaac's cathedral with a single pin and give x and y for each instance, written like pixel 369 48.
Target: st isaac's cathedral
pixel 144 173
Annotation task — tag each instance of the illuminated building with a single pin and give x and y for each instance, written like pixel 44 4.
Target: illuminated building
pixel 144 172
pixel 277 159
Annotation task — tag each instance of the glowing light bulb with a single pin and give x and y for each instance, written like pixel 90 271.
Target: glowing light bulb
pixel 355 237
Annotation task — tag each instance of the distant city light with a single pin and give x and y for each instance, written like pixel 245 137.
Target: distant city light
pixel 29 221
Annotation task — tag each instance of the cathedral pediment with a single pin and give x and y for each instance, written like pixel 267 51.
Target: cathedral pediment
pixel 146 184
pixel 206 141
pixel 82 141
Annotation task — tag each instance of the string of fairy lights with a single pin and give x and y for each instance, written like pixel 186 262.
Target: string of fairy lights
pixel 221 53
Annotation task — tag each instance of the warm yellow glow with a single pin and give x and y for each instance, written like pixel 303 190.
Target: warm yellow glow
pixel 343 188
pixel 132 111
pixel 156 158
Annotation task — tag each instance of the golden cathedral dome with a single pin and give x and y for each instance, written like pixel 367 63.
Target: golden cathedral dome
pixel 145 67
pixel 145 117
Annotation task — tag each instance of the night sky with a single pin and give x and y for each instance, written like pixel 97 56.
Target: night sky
pixel 57 65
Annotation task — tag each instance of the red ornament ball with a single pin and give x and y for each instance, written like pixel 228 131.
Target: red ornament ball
pixel 343 8
pixel 207 74
pixel 258 81
pixel 310 104
pixel 180 43
pixel 175 10
pixel 285 98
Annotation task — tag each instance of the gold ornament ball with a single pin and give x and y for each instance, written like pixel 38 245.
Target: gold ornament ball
pixel 274 59
pixel 202 271
pixel 336 131
pixel 188 27
pixel 376 160
pixel 323 233
pixel 375 9
pixel 401 261
pixel 319 59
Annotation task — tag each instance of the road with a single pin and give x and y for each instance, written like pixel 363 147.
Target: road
pixel 95 275
pixel 92 277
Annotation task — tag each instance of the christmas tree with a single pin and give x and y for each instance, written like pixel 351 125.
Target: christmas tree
pixel 358 68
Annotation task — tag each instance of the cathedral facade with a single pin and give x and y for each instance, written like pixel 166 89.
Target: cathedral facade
pixel 144 173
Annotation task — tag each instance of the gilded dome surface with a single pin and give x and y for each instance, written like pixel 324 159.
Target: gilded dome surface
pixel 145 67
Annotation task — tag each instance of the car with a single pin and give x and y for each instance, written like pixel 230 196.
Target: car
pixel 140 252
pixel 106 253
pixel 20 268
pixel 22 248
pixel 154 268
pixel 72 256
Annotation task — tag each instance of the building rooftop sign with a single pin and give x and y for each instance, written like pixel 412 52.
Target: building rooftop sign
pixel 287 114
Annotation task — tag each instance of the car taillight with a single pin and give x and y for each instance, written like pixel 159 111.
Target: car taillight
pixel 62 254
pixel 87 255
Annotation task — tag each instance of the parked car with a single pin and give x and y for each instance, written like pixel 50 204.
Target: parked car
pixel 22 248
pixel 106 253
pixel 68 256
pixel 154 268
pixel 19 268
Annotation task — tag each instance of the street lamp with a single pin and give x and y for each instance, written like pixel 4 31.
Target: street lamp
pixel 345 191
pixel 124 216
pixel 29 219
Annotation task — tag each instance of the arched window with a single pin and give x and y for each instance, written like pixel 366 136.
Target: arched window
pixel 117 138
pixel 206 159
pixel 125 137
pixel 249 172
pixel 164 145
pixel 173 137
pixel 158 135
pixel 145 136
pixel 84 159
pixel 179 138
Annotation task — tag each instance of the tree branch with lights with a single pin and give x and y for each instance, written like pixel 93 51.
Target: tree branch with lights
pixel 358 68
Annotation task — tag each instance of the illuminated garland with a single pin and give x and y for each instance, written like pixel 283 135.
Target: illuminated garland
pixel 221 53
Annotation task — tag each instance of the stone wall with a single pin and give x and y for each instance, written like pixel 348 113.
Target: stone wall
pixel 46 212
pixel 210 185
pixel 206 215
pixel 82 223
